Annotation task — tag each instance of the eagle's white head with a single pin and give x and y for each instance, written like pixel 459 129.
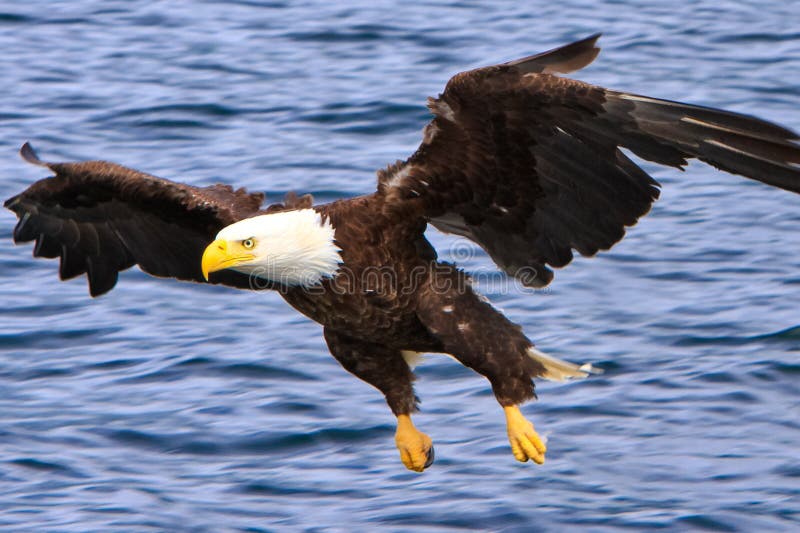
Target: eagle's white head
pixel 291 247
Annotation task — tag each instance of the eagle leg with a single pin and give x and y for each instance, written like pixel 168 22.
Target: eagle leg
pixel 525 442
pixel 385 369
pixel 481 338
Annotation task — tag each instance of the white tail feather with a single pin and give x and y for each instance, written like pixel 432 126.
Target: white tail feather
pixel 559 370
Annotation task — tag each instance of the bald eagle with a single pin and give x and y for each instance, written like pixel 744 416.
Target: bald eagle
pixel 525 163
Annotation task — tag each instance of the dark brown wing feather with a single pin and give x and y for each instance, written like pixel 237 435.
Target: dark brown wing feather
pixel 101 218
pixel 564 59
pixel 528 165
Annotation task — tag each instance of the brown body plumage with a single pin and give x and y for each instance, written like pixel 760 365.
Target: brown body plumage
pixel 523 162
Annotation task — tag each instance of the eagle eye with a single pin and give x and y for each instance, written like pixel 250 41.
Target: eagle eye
pixel 248 244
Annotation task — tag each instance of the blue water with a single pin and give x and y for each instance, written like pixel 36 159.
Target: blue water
pixel 174 407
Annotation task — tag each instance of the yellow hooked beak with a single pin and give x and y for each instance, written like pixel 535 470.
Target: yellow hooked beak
pixel 219 255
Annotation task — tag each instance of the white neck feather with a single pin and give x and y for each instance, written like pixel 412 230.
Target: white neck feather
pixel 292 247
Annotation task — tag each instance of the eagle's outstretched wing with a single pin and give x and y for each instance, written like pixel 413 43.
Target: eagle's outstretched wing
pixel 528 164
pixel 101 218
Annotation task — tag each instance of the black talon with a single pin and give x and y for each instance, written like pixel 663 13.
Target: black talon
pixel 429 460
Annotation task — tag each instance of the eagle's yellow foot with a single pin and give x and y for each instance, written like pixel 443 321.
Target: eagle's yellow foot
pixel 416 448
pixel 525 442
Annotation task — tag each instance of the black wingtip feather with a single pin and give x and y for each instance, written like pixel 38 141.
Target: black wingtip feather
pixel 734 142
pixel 47 247
pixel 564 59
pixel 25 230
pixel 750 165
pixel 102 276
pixel 73 264
pixel 29 154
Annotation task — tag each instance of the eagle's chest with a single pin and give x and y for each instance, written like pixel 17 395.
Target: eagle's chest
pixel 372 301
pixel 373 293
pixel 371 305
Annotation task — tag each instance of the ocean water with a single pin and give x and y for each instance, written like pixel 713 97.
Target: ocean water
pixel 175 407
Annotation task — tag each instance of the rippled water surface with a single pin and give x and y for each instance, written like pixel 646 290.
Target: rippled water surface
pixel 169 407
